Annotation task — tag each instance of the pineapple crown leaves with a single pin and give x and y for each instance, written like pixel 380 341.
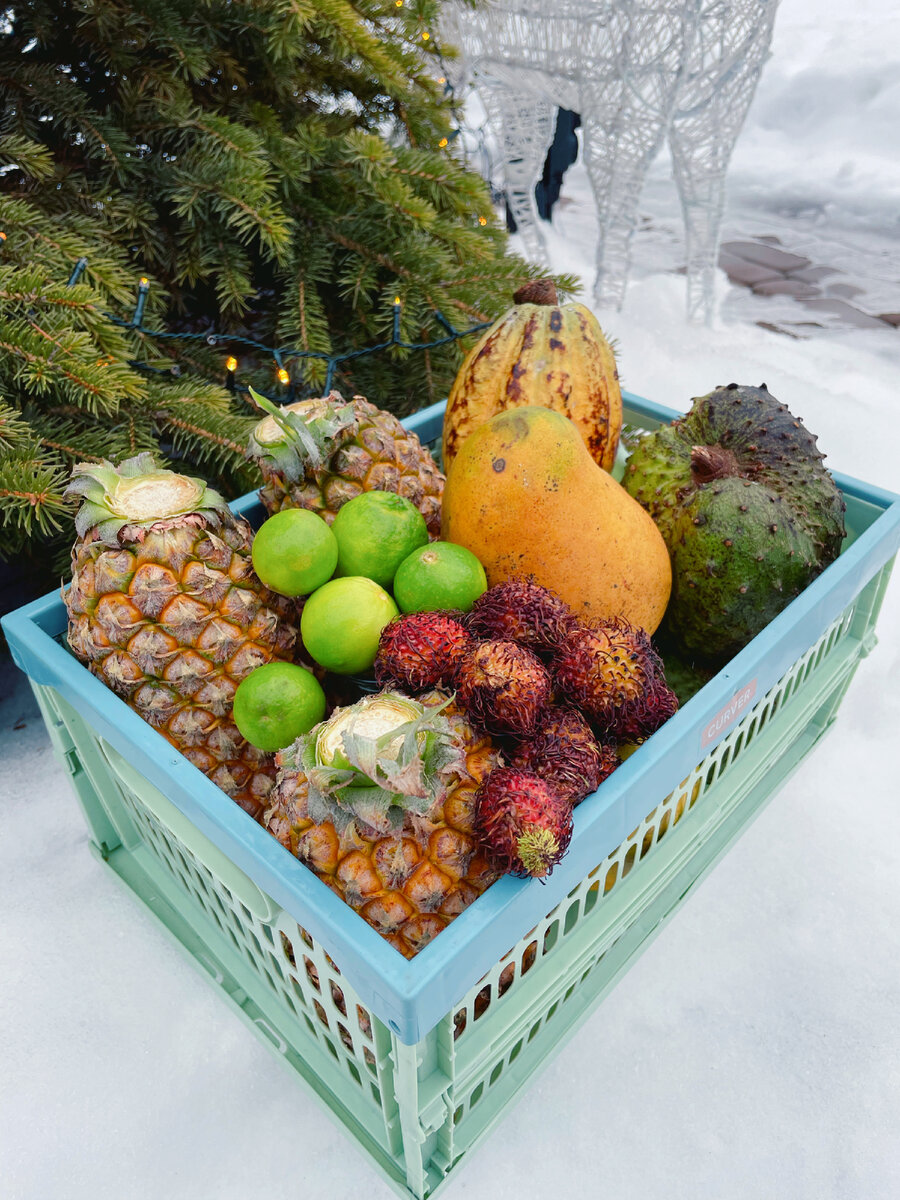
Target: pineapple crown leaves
pixel 406 769
pixel 301 437
pixel 137 493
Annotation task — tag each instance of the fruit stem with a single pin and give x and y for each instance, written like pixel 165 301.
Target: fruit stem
pixel 712 462
pixel 537 291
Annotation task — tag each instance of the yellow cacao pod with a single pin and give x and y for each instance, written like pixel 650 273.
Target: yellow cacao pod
pixel 540 353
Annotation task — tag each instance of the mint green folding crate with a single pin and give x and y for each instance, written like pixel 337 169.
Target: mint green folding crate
pixel 418 1060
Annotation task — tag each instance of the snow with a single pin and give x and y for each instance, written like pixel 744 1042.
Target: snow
pixel 754 1050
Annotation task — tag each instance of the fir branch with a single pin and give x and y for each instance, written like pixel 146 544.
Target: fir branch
pixel 31 497
pixel 30 157
pixel 167 421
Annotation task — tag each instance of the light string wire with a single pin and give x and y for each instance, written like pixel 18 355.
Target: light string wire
pixel 279 354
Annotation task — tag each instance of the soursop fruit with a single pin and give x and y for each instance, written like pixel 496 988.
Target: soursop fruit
pixel 749 514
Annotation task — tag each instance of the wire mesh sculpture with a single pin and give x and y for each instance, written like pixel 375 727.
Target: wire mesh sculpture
pixel 637 73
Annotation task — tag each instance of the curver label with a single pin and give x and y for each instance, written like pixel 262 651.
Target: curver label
pixel 725 718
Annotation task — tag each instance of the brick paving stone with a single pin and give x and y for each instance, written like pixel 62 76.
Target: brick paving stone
pixel 745 273
pixel 767 256
pixel 845 290
pixel 786 287
pixel 847 312
pixel 772 328
pixel 813 274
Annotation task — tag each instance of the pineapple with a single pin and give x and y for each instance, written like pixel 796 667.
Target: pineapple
pixel 165 609
pixel 378 802
pixel 318 454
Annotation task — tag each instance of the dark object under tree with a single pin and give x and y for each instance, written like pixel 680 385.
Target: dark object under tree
pixel 562 153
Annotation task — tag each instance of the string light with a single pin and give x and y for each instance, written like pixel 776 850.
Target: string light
pixel 443 142
pixel 2 236
pixel 332 361
pixel 143 289
pixel 482 220
pixel 77 272
pixel 425 35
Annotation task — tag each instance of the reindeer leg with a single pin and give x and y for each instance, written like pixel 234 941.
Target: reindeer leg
pixel 524 127
pixel 620 141
pixel 710 112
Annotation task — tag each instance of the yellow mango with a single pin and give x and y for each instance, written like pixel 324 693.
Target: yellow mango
pixel 524 494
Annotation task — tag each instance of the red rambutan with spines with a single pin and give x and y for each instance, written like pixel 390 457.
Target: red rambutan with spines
pixel 638 718
pixel 521 610
pixel 603 667
pixel 565 752
pixel 523 822
pixel 503 688
pixel 421 650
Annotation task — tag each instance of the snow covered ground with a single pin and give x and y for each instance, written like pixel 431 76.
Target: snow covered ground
pixel 754 1051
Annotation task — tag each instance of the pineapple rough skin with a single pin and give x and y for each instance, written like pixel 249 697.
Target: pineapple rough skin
pixel 172 619
pixel 408 883
pixel 370 452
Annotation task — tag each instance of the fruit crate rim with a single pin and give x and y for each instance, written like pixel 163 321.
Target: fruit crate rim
pixel 413 996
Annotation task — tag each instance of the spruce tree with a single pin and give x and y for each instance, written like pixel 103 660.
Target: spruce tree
pixel 74 386
pixel 280 170
pixel 285 166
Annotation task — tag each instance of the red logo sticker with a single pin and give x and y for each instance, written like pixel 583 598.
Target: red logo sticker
pixel 725 718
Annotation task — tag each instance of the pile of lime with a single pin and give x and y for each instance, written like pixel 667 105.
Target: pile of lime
pixel 376 545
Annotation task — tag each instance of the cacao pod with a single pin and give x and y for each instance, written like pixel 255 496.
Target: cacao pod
pixel 540 353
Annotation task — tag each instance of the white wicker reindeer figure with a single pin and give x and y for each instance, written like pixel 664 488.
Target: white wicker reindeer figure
pixel 635 72
pixel 730 45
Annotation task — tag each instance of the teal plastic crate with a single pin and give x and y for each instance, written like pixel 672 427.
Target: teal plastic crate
pixel 417 1060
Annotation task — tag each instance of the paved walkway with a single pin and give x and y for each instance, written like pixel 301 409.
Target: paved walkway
pixel 764 266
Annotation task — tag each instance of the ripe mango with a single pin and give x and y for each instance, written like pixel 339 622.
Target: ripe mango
pixel 525 496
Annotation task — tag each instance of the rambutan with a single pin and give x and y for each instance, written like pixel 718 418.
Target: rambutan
pixel 420 650
pixel 520 610
pixel 639 718
pixel 566 752
pixel 503 688
pixel 602 667
pixel 524 822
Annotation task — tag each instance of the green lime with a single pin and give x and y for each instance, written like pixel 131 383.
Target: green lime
pixel 342 621
pixel 277 702
pixel 294 552
pixel 375 531
pixel 440 576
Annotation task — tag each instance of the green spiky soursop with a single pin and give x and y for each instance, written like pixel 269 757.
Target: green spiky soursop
pixel 749 514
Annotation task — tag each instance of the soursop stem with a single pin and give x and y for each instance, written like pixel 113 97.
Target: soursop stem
pixel 712 462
